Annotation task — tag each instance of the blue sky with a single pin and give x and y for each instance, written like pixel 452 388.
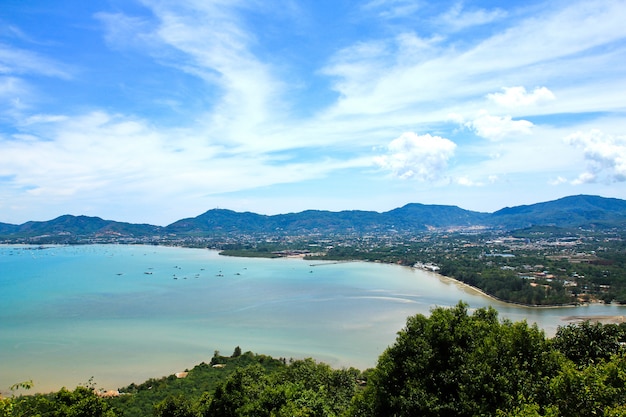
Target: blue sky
pixel 156 110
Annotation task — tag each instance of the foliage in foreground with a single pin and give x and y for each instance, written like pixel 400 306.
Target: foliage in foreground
pixel 453 363
pixel 457 364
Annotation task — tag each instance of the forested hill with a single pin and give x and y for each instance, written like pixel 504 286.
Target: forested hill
pixel 569 212
pixel 573 211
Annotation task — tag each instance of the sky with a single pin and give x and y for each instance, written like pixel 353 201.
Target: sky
pixel 149 111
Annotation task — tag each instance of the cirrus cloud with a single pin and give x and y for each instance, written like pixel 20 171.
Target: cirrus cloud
pixel 423 157
pixel 456 18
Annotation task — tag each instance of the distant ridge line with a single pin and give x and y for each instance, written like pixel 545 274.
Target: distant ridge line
pixel 568 212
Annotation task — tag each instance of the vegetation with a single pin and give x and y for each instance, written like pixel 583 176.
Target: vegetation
pixel 456 364
pixel 247 253
pixel 567 251
pixel 453 363
pixel 536 266
pixel 569 212
pixel 138 400
pixel 82 402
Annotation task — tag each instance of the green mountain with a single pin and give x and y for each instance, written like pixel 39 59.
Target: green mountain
pixel 423 217
pixel 569 212
pixel 220 221
pixel 6 229
pixel 573 211
pixel 72 229
pixel 410 218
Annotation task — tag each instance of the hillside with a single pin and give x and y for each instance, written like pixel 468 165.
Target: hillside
pixel 573 211
pixel 68 228
pixel 569 212
pixel 439 366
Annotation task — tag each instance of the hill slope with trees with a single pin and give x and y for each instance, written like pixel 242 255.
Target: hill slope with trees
pixel 569 212
pixel 453 363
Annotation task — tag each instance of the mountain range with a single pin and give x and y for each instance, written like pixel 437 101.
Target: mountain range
pixel 569 212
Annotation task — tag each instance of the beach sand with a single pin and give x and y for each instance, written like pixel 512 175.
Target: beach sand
pixel 596 319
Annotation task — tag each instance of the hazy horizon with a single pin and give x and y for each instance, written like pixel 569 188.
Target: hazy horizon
pixel 149 111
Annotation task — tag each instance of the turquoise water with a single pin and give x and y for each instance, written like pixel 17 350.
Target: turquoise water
pixel 122 314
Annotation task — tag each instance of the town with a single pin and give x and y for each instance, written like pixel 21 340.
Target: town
pixel 535 266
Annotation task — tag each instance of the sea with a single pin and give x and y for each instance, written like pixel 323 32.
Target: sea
pixel 111 315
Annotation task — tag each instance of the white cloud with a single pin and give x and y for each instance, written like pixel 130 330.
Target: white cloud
pixel 558 180
pixel 422 157
pixel 44 118
pixel 552 45
pixel 393 77
pixel 498 127
pixel 65 160
pixel 518 96
pixel 16 90
pixel 12 88
pixel 457 19
pixel 209 40
pixel 127 32
pixel 585 178
pixel 605 155
pixel 466 182
pixel 391 9
pixel 17 61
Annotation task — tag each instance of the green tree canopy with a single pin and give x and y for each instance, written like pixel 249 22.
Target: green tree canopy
pixel 456 364
pixel 304 388
pixel 588 343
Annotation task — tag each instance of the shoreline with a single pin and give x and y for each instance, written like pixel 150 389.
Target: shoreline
pixel 304 256
pixel 604 319
pixel 415 278
pixel 512 303
pixel 601 318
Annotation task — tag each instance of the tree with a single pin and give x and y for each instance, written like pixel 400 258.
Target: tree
pixel 242 387
pixel 174 406
pixel 592 390
pixel 588 343
pixel 456 364
pixel 7 405
pixel 236 352
pixel 304 388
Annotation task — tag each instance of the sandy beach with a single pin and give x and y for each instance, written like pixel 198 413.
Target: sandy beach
pixel 596 319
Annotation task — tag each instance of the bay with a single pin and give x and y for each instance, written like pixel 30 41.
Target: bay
pixel 122 314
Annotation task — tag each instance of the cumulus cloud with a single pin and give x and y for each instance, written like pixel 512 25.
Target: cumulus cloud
pixel 497 127
pixel 467 182
pixel 559 42
pixel 605 155
pixel 518 96
pixel 422 157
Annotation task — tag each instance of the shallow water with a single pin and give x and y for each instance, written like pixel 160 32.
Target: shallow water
pixel 122 314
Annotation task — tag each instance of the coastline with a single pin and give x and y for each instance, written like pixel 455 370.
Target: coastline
pixel 603 319
pixel 492 297
pixel 373 302
pixel 305 256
